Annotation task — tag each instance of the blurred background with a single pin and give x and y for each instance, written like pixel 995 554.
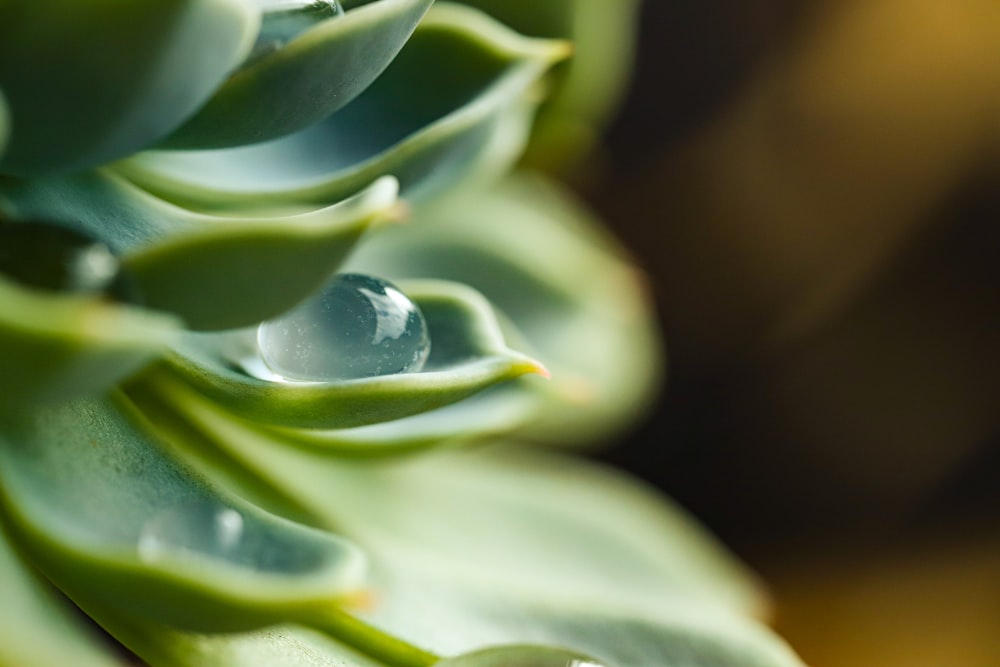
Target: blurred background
pixel 813 187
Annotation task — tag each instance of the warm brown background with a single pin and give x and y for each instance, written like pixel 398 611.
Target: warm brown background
pixel 814 189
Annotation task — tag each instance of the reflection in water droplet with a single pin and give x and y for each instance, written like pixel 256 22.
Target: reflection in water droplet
pixel 196 528
pixel 357 326
pixel 521 656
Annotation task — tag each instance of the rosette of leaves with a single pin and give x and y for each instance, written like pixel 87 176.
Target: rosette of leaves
pixel 176 172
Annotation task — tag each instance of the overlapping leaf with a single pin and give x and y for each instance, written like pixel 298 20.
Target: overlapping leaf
pixel 468 354
pixel 541 260
pixel 37 629
pixel 88 82
pixel 591 84
pixel 54 347
pixel 305 80
pixel 215 272
pixel 116 523
pixel 455 99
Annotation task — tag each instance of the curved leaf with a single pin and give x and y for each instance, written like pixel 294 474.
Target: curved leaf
pixel 591 84
pixel 4 123
pixel 564 284
pixel 37 628
pixel 468 354
pixel 113 521
pixel 425 128
pixel 55 347
pixel 106 77
pixel 216 272
pixel 305 81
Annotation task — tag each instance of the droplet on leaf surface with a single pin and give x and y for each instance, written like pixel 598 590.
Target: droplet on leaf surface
pixel 56 258
pixel 357 326
pixel 197 528
pixel 284 20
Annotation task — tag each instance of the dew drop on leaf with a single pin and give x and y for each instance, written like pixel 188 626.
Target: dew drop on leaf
pixel 199 528
pixel 56 258
pixel 357 326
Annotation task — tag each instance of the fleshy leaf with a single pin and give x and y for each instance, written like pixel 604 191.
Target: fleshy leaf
pixel 468 354
pixel 111 520
pixel 37 627
pixel 4 123
pixel 54 347
pixel 591 84
pixel 304 81
pixel 582 309
pixel 425 128
pixel 216 272
pixel 89 82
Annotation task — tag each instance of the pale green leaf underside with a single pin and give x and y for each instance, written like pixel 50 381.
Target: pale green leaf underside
pixel 89 82
pixel 37 629
pixel 565 286
pixel 468 354
pixel 304 81
pixel 215 272
pixel 424 127
pixel 55 347
pixel 113 521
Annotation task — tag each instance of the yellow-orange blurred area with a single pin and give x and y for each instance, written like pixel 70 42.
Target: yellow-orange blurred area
pixel 824 242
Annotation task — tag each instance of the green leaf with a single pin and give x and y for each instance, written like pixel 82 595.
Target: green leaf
pixel 112 521
pixel 306 80
pixel 4 123
pixel 468 354
pixel 55 347
pixel 89 82
pixel 565 285
pixel 216 272
pixel 37 628
pixel 590 85
pixel 427 129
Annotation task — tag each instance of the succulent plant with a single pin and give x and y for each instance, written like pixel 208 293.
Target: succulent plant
pixel 246 420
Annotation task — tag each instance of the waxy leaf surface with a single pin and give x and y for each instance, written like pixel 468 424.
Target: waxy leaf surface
pixel 89 82
pixel 305 80
pixel 453 101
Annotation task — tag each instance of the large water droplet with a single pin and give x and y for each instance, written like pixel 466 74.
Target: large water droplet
pixel 284 20
pixel 521 656
pixel 357 326
pixel 201 528
pixel 56 258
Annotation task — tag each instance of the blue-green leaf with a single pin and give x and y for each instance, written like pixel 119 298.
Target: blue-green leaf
pixel 89 82
pixel 468 354
pixel 37 628
pixel 305 80
pixel 114 522
pixel 54 347
pixel 427 129
pixel 216 272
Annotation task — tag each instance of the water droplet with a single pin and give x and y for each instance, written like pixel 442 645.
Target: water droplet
pixel 56 258
pixel 357 326
pixel 521 656
pixel 201 527
pixel 284 20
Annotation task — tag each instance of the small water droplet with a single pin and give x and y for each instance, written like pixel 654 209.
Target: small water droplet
pixel 357 326
pixel 284 20
pixel 521 656
pixel 201 528
pixel 56 258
